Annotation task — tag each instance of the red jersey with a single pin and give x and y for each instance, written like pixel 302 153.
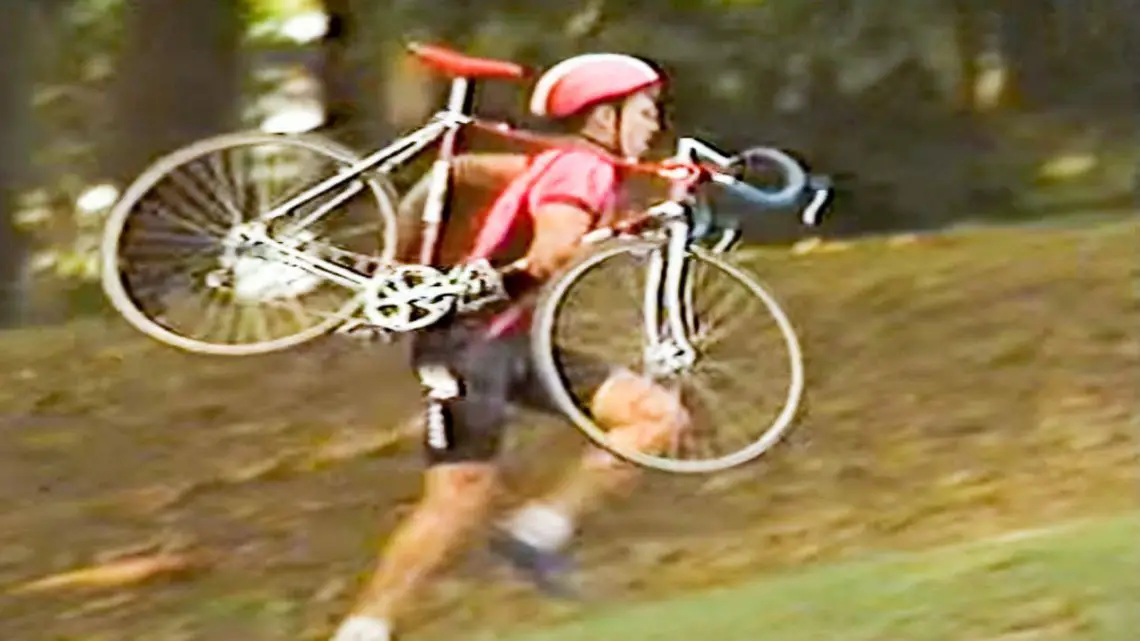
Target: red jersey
pixel 580 177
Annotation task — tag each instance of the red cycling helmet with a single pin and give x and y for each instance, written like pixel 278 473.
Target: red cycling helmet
pixel 576 83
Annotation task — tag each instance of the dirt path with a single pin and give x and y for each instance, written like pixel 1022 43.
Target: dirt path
pixel 980 386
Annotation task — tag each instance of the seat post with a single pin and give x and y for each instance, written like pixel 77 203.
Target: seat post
pixel 435 210
pixel 459 98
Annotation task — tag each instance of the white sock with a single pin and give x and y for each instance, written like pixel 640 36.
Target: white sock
pixel 541 526
pixel 363 629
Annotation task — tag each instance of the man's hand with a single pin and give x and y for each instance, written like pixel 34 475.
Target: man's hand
pixel 482 283
pixel 558 232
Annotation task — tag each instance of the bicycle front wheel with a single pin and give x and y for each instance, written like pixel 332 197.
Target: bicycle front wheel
pixel 742 390
pixel 170 268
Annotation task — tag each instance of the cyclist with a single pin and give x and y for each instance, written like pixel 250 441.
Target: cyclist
pixel 473 368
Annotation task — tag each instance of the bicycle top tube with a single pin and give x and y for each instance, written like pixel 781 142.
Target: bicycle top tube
pixel 670 169
pixel 682 171
pixel 685 174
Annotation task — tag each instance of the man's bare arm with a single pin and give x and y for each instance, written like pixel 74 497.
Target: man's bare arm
pixel 558 232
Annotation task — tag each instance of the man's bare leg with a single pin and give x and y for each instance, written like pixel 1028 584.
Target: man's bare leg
pixel 456 500
pixel 641 416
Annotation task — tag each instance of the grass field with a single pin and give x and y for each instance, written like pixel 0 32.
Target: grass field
pixel 961 387
pixel 1079 582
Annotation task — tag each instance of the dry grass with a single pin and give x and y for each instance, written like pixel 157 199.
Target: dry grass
pixel 961 386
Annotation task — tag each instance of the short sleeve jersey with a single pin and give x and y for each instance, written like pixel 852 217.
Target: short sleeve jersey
pixel 578 177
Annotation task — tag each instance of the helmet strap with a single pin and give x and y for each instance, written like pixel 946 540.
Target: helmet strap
pixel 612 148
pixel 597 143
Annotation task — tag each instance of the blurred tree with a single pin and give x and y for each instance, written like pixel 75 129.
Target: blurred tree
pixel 179 79
pixel 969 31
pixel 866 88
pixel 350 77
pixel 17 42
pixel 1030 34
pixel 341 92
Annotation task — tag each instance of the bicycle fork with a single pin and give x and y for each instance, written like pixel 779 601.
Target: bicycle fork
pixel 667 317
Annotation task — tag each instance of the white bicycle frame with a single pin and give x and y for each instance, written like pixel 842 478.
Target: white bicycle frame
pixel 668 286
pixel 444 125
pixel 666 270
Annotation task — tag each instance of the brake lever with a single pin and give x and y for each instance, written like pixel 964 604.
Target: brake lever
pixel 820 188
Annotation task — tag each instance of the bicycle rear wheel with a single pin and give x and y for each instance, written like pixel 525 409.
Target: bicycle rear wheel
pixel 169 266
pixel 742 391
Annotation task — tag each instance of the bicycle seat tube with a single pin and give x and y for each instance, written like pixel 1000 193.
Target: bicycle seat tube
pixel 458 102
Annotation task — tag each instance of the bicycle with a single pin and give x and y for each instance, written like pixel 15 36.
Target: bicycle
pixel 285 253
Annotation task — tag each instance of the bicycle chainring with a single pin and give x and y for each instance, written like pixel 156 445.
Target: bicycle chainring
pixel 404 298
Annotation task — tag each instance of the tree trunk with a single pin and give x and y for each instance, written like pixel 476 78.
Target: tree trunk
pixel 1029 42
pixel 16 82
pixel 1127 51
pixel 969 33
pixel 180 79
pixel 336 73
pixel 350 79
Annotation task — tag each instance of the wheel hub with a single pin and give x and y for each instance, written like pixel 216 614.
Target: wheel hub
pixel 668 358
pixel 255 272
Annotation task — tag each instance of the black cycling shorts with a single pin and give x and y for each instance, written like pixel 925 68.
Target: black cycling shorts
pixel 471 381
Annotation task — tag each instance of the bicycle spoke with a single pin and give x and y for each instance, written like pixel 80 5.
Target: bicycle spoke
pixel 713 404
pixel 300 183
pixel 202 177
pixel 158 235
pixel 723 309
pixel 188 224
pixel 161 255
pixel 176 263
pixel 739 404
pixel 228 202
pixel 197 201
pixel 297 310
pixel 206 320
pixel 233 162
pixel 261 192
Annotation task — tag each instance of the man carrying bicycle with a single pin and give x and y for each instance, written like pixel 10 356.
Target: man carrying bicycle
pixel 474 368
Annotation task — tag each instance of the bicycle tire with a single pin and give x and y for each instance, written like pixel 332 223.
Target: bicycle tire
pixel 110 276
pixel 543 353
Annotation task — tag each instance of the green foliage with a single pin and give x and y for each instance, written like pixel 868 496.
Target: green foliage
pixel 76 71
pixel 823 78
pixel 265 17
pixel 77 63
